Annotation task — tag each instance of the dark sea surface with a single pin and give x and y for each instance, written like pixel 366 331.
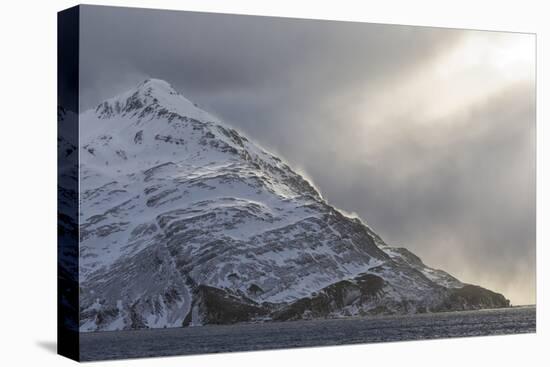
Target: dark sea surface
pixel 276 335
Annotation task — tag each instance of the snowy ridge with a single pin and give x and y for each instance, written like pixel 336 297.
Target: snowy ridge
pixel 184 221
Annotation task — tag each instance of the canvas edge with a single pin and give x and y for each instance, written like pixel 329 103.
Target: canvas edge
pixel 68 39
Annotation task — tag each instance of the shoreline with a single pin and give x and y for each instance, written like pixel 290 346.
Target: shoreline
pixel 328 319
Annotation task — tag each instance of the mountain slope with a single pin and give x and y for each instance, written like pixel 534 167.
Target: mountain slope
pixel 184 221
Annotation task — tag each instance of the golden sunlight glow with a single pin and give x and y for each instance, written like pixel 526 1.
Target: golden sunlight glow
pixel 502 56
pixel 483 63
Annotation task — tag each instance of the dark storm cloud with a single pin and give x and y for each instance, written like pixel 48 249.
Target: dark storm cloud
pixel 460 194
pixel 215 54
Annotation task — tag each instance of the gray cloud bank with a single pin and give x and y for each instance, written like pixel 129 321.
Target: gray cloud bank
pixel 458 190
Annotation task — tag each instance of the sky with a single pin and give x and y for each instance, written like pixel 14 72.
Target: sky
pixel 427 134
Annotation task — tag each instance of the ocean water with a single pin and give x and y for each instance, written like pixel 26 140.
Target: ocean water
pixel 276 335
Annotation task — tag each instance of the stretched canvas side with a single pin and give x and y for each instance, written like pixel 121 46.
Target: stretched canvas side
pixel 67 182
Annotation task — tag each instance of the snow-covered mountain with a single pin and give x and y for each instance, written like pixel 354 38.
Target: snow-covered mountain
pixel 184 221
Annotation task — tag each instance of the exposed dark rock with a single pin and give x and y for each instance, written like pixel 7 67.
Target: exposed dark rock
pixel 472 297
pixel 335 297
pixel 220 307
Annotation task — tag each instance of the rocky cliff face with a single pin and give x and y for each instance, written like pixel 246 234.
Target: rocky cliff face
pixel 184 221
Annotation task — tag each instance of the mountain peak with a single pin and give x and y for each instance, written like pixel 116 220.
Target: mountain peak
pixel 155 82
pixel 150 96
pixel 154 86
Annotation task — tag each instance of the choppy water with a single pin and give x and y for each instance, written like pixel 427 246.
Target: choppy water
pixel 274 335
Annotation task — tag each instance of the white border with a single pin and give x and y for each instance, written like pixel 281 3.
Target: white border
pixel 28 182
